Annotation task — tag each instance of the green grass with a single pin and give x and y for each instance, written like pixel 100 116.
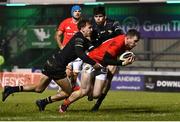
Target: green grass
pixel 118 106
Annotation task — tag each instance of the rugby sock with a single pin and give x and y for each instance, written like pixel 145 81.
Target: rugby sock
pixel 20 88
pixel 47 100
pixel 17 89
pixel 66 102
pixel 101 98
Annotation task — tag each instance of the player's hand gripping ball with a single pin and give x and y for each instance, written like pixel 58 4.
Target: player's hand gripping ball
pixel 1 60
pixel 126 55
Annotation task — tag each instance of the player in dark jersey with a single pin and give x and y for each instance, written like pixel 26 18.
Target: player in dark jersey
pixel 55 66
pixel 104 29
pixel 105 54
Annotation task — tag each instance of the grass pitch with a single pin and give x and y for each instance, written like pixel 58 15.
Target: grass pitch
pixel 118 106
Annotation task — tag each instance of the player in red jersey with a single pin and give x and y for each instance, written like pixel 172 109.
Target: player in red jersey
pixel 105 54
pixel 68 27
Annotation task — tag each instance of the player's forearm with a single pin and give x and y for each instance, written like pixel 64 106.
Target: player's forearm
pixel 82 55
pixel 58 38
pixel 109 60
pixel 113 62
pixel 59 41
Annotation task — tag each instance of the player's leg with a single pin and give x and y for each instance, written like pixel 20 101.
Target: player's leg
pixel 66 87
pixel 99 83
pixel 73 69
pixel 111 71
pixel 86 77
pixel 73 66
pixel 69 73
pixel 60 77
pixel 42 103
pixel 90 93
pixel 75 88
pixel 44 81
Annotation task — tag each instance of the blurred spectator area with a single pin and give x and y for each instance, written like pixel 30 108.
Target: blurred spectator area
pixel 27 33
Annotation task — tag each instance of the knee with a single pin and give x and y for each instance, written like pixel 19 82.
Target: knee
pixel 64 93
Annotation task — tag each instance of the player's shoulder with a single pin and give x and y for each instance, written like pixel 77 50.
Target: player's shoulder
pixel 119 40
pixel 79 36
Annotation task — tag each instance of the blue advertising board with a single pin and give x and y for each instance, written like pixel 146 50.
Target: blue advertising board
pixel 127 82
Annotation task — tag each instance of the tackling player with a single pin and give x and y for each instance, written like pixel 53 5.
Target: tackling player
pixel 55 66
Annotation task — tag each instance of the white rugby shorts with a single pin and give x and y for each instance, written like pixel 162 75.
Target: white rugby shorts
pixel 98 74
pixel 76 65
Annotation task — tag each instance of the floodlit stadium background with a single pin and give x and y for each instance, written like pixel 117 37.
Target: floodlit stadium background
pixel 27 38
pixel 27 29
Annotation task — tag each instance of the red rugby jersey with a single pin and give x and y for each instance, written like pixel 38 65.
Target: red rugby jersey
pixel 69 28
pixel 113 46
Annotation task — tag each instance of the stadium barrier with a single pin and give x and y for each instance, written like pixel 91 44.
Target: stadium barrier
pixel 18 78
pixel 130 80
pixel 22 78
pixel 127 82
pixel 146 81
pixel 162 83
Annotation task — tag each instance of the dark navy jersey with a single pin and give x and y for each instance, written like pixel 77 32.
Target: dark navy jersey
pixel 106 31
pixel 76 47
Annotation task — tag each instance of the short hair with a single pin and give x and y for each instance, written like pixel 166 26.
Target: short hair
pixel 82 23
pixel 133 32
pixel 99 10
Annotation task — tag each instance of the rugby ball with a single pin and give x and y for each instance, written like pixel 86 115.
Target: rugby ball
pixel 126 55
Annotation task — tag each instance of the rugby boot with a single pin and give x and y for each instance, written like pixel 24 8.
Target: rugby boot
pixel 7 91
pixel 95 108
pixel 63 108
pixel 41 105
